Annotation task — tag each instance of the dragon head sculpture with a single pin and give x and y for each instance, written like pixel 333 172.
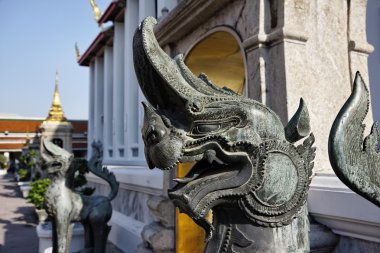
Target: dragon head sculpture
pixel 243 154
pixel 57 160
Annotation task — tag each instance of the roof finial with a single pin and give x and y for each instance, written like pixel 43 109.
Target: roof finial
pixel 56 80
pixel 97 11
pixel 77 51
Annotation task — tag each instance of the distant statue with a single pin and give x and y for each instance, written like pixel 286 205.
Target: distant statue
pixel 248 174
pixel 97 154
pixel 65 206
pixel 355 159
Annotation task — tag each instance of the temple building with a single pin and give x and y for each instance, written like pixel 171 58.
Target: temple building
pixel 269 51
pixel 22 133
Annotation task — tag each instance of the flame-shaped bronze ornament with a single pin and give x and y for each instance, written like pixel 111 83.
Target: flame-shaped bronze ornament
pixel 356 162
pixel 247 170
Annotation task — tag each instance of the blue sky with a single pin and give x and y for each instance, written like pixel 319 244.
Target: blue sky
pixel 36 38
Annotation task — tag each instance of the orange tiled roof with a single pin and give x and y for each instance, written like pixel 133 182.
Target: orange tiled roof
pixel 32 126
pixel 19 126
pixel 11 145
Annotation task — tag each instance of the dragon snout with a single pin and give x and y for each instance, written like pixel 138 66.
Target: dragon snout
pixel 164 154
pixel 163 149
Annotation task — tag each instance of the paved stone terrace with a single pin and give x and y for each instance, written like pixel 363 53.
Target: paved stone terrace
pixel 18 221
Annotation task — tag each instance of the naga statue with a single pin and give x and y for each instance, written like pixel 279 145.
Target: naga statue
pixel 248 172
pixel 356 162
pixel 64 205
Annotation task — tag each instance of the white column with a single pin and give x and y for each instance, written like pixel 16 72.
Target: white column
pixel 131 19
pixel 118 91
pixel 90 130
pixel 108 103
pixel 146 8
pixel 99 99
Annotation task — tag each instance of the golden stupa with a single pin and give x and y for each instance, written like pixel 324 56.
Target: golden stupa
pixel 56 113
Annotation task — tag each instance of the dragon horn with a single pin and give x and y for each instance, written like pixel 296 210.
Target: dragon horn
pixel 158 75
pixel 299 125
pixel 167 83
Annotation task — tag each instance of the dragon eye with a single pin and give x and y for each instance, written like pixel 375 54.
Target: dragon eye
pixel 202 128
pixel 206 128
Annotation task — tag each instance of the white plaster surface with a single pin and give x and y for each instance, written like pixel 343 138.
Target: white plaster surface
pixel 138 176
pixel 331 203
pixel 125 232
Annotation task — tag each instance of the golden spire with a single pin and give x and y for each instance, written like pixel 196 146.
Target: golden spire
pixel 97 11
pixel 56 112
pixel 77 51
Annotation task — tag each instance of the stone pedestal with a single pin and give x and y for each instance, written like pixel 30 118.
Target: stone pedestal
pixel 25 190
pixel 45 236
pixel 159 237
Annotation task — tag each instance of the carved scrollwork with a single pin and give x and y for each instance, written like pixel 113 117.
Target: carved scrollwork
pixel 285 184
